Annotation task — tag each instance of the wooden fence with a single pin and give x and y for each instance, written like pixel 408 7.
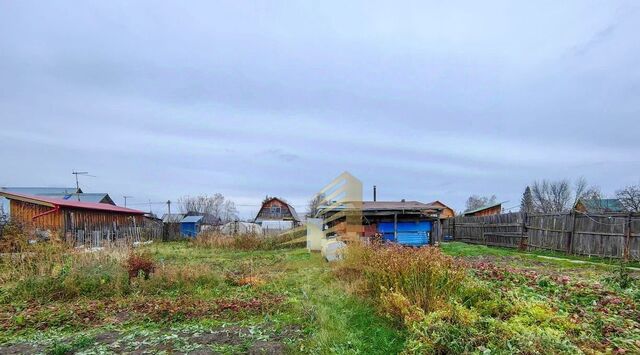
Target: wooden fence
pixel 110 237
pixel 603 235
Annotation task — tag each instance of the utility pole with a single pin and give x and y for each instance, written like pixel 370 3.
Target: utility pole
pixel 76 173
pixel 125 199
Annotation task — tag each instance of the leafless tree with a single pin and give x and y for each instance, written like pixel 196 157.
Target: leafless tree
pixel 558 196
pixel 630 197
pixel 314 205
pixel 216 206
pixel 475 201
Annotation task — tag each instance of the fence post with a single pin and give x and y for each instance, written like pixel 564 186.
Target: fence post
pixel 453 233
pixel 627 237
pixel 571 232
pixel 523 231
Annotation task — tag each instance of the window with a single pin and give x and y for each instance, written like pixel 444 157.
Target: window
pixel 276 210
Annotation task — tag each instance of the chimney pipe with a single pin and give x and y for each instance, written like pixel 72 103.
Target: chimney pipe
pixel 374 193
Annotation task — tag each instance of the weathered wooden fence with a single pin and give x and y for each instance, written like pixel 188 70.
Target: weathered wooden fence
pixel 110 237
pixel 603 235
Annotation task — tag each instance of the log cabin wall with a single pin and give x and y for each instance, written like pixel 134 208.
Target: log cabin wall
pixel 69 219
pixel 23 212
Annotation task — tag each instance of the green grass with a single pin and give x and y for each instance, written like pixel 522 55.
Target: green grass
pixel 474 250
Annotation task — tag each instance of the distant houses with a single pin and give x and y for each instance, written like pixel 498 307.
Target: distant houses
pixel 189 224
pixel 604 205
pixel 488 210
pixel 277 214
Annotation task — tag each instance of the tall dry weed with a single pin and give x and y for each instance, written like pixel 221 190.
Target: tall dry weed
pixel 424 276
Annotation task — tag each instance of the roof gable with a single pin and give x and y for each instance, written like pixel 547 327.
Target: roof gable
pixel 292 210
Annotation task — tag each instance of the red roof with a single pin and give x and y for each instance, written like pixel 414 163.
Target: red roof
pixel 53 202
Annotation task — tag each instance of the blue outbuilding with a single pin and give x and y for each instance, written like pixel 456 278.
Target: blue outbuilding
pixel 190 226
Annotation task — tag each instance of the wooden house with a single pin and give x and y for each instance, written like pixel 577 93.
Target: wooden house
pixel 446 211
pixel 276 209
pixel 59 215
pixel 488 210
pixel 603 205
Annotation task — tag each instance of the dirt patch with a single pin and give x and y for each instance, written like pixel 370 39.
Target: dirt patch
pixel 21 348
pixel 108 338
pixel 267 347
pixel 124 310
pixel 222 336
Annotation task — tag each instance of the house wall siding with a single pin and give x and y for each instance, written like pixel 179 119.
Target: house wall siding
pixel 68 218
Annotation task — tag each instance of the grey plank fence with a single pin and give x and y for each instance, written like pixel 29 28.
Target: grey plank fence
pixel 113 237
pixel 603 235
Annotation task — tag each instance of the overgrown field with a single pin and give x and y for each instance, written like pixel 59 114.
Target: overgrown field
pixel 221 295
pixel 205 297
pixel 487 300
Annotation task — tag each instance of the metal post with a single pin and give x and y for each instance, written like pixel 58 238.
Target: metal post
pixel 395 227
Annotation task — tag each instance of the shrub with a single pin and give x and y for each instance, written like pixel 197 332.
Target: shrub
pixel 140 264
pixel 425 276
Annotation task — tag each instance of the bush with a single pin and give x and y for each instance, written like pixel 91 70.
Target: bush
pixel 425 276
pixel 140 264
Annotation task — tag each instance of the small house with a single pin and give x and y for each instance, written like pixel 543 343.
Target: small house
pixel 60 216
pixel 276 209
pixel 488 210
pixel 446 211
pixel 603 205
pixel 409 223
pixel 190 226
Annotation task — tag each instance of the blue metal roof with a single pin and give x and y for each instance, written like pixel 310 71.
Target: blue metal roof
pixel 192 219
pixel 39 191
pixel 84 197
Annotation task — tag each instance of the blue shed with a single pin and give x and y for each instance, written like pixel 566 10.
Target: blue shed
pixel 413 233
pixel 190 225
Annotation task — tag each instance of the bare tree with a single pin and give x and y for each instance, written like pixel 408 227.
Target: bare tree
pixel 215 206
pixel 475 201
pixel 630 197
pixel 314 205
pixel 558 196
pixel 584 191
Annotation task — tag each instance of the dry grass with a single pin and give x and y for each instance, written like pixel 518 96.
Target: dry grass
pixel 424 276
pixel 245 242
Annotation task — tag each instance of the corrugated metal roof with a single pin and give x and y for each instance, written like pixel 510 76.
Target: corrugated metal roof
pixel 482 208
pixel 40 190
pixel 192 219
pixel 396 205
pixel 172 218
pixel 603 205
pixel 53 202
pixel 84 197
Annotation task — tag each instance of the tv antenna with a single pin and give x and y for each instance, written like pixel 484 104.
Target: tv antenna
pixel 125 199
pixel 76 173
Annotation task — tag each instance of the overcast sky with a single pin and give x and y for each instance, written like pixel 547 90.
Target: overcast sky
pixel 427 100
